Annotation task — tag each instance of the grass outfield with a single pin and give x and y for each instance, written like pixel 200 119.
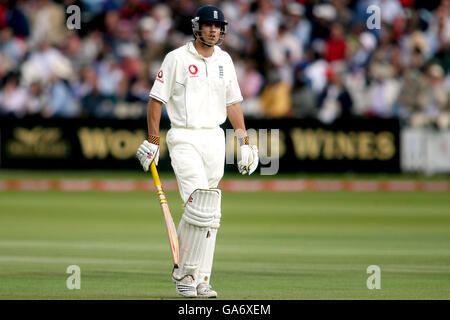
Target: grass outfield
pixel 270 245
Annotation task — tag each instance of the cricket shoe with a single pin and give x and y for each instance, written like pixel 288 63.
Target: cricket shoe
pixel 204 290
pixel 186 287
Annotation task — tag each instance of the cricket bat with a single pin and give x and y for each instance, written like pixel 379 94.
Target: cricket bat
pixel 170 226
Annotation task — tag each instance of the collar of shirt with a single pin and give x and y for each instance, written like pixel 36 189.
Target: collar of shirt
pixel 191 49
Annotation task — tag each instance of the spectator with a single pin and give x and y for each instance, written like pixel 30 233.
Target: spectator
pixel 315 72
pixel 255 50
pixel 359 56
pixel 91 47
pixel 250 80
pixel 48 22
pixel 40 63
pixel 37 99
pixel 11 48
pixel 383 90
pixel 335 45
pixel 410 88
pixel 276 97
pixel 13 97
pixel 134 9
pixel 251 83
pixel 412 81
pixel 62 102
pixel 323 14
pixel 284 52
pixel 140 86
pixel 73 50
pixel 303 99
pixel 335 101
pixel 161 14
pixel 299 25
pixel 17 19
pixel 2 15
pixel 109 76
pixel 267 19
pixel 94 104
pixel 433 98
pixel 391 9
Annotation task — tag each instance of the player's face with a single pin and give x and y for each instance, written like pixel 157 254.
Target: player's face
pixel 210 32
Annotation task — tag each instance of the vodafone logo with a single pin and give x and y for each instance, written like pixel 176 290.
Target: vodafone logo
pixel 193 69
pixel 159 76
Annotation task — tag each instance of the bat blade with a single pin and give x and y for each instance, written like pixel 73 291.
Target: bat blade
pixel 170 225
pixel 172 233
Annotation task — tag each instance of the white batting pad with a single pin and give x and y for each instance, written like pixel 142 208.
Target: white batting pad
pixel 204 273
pixel 206 263
pixel 195 231
pixel 202 206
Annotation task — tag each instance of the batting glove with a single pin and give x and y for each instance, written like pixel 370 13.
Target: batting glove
pixel 249 159
pixel 147 152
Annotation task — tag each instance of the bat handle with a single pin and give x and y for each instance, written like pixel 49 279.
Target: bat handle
pixel 155 174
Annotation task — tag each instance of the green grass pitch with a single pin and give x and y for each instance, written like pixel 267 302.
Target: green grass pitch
pixel 270 245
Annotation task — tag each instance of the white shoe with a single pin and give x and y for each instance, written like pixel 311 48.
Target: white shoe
pixel 204 291
pixel 186 287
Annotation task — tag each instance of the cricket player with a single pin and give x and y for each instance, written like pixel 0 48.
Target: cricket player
pixel 198 85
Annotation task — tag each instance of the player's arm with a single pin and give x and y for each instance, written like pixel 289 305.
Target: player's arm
pixel 249 154
pixel 159 94
pixel 149 149
pixel 236 118
pixel 154 109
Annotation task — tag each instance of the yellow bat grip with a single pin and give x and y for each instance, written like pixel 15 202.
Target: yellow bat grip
pixel 155 174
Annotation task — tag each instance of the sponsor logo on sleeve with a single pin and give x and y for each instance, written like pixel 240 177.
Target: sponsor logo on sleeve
pixel 159 76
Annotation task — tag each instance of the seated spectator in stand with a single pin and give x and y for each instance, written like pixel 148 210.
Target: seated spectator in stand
pixel 335 101
pixel 433 98
pixel 40 63
pixel 267 19
pixel 364 45
pixel 95 104
pixel 254 49
pixel 109 76
pixel 13 97
pixel 140 86
pixel 11 48
pixel 62 102
pixel 298 24
pixel 284 52
pixel 335 45
pixel 251 83
pixel 37 99
pixel 276 97
pixel 304 100
pixel 315 71
pixel 323 15
pixel 383 90
pixel 412 80
pixel 48 21
pixel 17 19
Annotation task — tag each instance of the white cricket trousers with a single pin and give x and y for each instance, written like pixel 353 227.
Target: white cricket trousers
pixel 197 158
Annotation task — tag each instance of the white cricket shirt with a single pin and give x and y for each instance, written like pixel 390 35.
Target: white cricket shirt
pixel 196 90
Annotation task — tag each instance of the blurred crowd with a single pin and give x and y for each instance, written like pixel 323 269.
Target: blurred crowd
pixel 306 58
